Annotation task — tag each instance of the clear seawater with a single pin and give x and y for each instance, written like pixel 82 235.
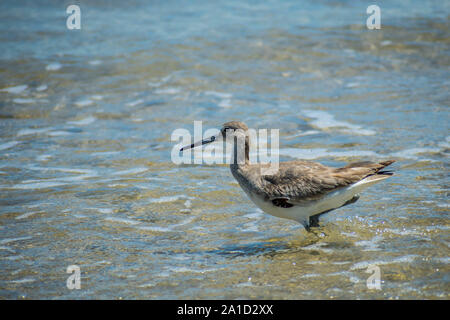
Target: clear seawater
pixel 86 176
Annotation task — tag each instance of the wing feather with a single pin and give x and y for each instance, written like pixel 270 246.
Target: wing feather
pixel 299 181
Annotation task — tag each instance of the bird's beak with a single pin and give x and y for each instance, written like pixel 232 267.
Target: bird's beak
pixel 200 143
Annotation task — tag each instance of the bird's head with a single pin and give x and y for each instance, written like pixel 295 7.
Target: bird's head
pixel 229 130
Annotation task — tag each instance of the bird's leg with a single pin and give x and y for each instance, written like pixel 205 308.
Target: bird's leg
pixel 311 224
pixel 352 200
pixel 314 221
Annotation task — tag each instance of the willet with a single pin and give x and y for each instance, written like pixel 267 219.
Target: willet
pixel 299 190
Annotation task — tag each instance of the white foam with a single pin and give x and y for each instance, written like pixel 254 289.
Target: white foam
pixel 225 103
pixel 338 263
pixel 167 78
pixel 325 120
pixel 155 229
pixel 189 270
pixel 84 103
pixel 102 262
pixel 76 178
pixel 167 91
pixel 365 264
pixel 53 66
pixel 42 87
pixel 170 198
pixel 122 220
pixel 13 258
pixel 349 234
pixel 114 185
pixel 250 227
pixel 302 133
pixel 184 222
pixel 104 153
pixel 318 246
pixel 97 97
pixel 352 85
pixel 311 275
pixel 84 121
pixel 404 232
pixel 16 89
pixel 254 215
pixel 134 103
pixel 169 228
pixel 38 205
pixel 147 285
pixel 315 262
pixel 38 185
pixel 72 170
pixel 154 84
pixel 26 215
pixel 445 260
pixel 8 145
pixel 370 245
pixel 58 133
pixel 222 95
pixel 24 280
pixel 156 179
pixel 5 241
pixel 104 210
pixel 25 132
pixel 95 62
pixel 23 100
pixel 130 171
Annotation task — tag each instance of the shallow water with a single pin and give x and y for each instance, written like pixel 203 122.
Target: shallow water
pixel 86 176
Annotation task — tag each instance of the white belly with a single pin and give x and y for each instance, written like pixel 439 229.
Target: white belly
pixel 302 212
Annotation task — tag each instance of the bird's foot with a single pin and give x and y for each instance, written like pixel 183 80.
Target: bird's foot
pixel 313 227
pixel 314 221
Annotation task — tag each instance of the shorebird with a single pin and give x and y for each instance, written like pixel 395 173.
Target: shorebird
pixel 299 190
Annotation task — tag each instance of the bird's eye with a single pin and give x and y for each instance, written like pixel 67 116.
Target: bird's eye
pixel 213 138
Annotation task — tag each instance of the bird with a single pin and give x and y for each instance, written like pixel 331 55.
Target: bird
pixel 299 190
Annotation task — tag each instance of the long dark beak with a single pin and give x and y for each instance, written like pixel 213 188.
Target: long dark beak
pixel 199 143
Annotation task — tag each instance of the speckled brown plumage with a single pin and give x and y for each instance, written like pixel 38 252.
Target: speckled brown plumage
pixel 300 181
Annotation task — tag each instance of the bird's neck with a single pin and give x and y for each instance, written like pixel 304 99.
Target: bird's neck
pixel 240 156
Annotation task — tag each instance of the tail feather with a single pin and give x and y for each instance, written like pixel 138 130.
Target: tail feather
pixel 358 171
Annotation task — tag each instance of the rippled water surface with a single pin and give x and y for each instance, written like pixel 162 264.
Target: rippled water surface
pixel 86 176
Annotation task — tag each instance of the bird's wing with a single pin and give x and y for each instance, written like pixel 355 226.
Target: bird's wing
pixel 300 181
